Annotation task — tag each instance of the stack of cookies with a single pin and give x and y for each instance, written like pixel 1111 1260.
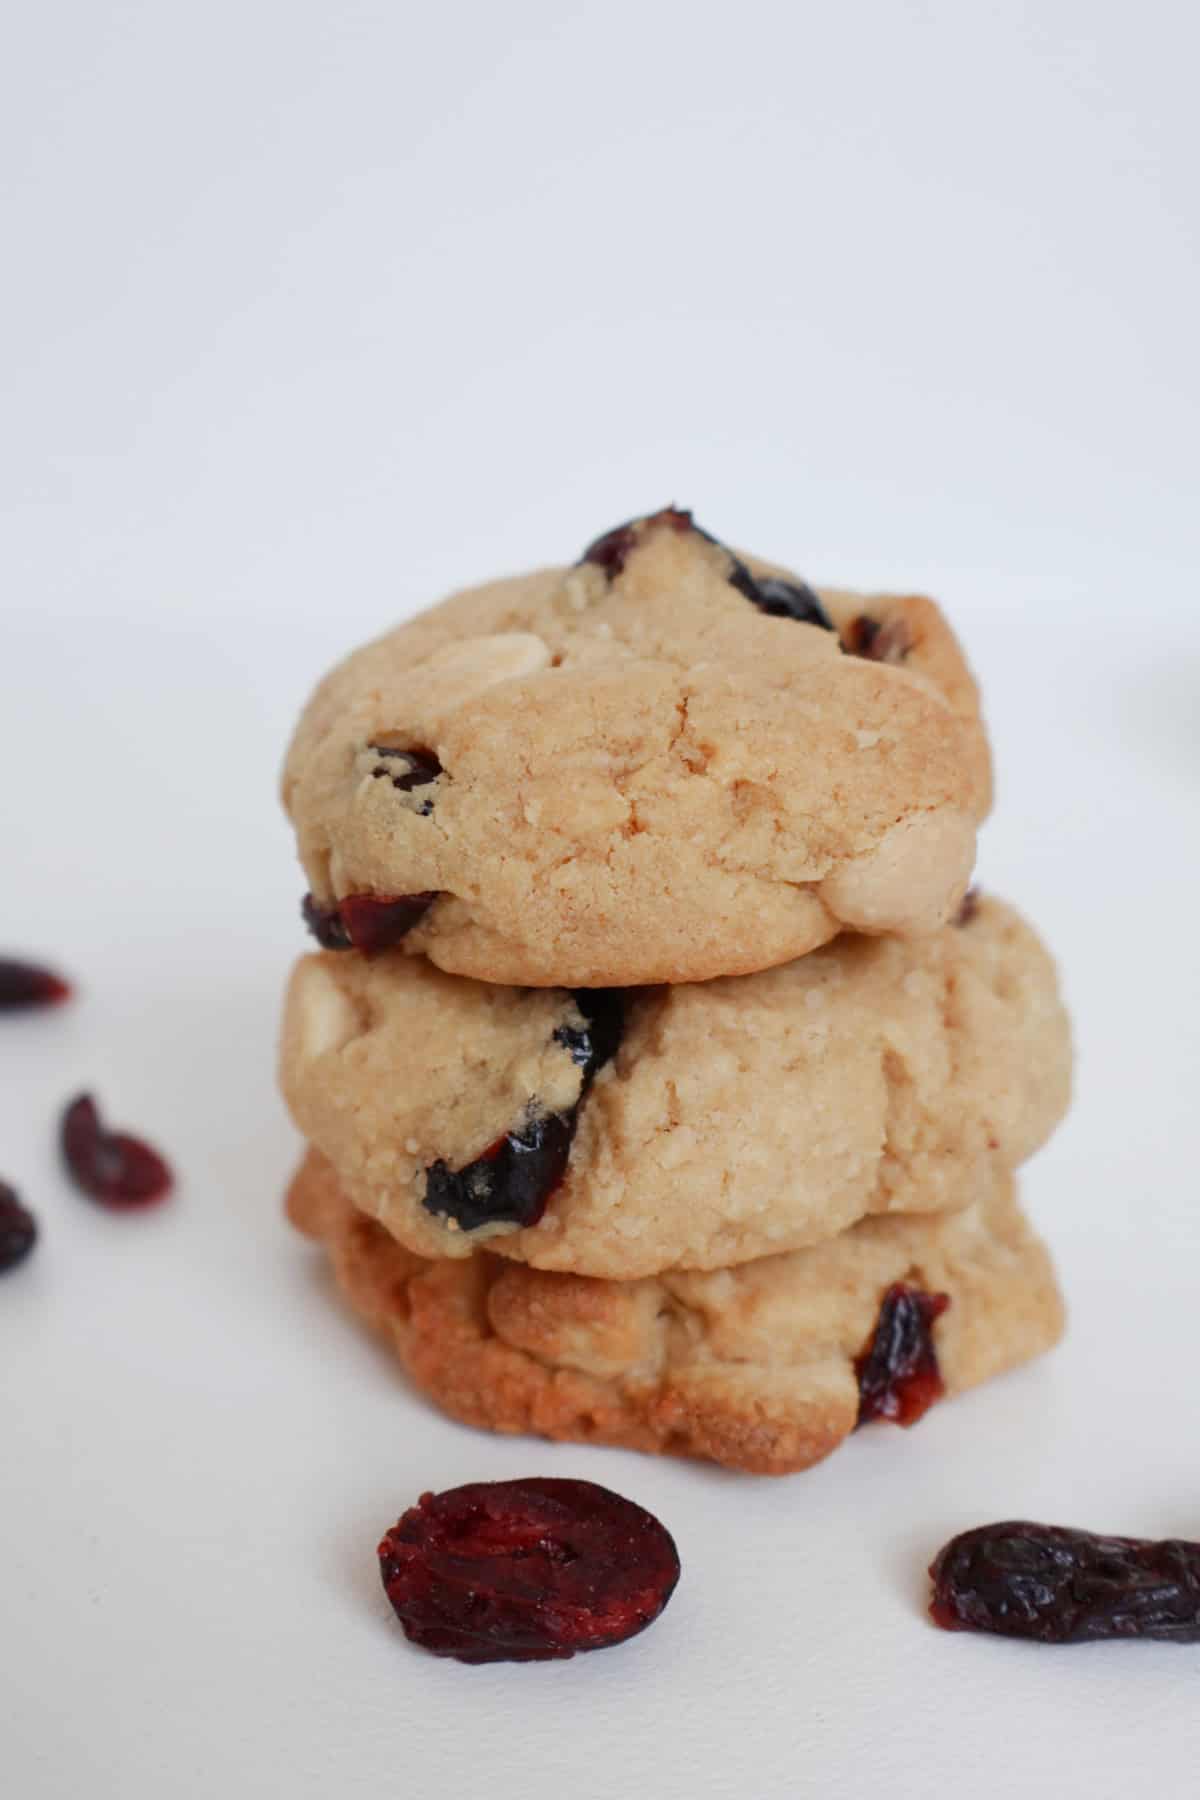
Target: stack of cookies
pixel 663 1083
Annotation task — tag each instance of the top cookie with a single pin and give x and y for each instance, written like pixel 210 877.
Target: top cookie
pixel 661 765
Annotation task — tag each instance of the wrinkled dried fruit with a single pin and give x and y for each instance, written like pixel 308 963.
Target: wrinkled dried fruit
pixel 24 986
pixel 611 550
pixel 515 1178
pixel 365 922
pixel 898 1374
pixel 119 1171
pixel 1058 1586
pixel 511 1183
pixel 878 643
pixel 783 599
pixel 18 1229
pixel 770 593
pixel 325 923
pixel 526 1571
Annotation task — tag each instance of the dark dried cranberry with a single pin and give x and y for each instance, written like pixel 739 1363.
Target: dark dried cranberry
pixel 860 634
pixel 787 600
pixel 24 986
pixel 18 1229
pixel 611 550
pixel 868 638
pixel 770 593
pixel 366 922
pixel 597 1042
pixel 418 769
pixel 969 907
pixel 1058 1586
pixel 325 923
pixel 117 1170
pixel 898 1375
pixel 526 1571
pixel 513 1181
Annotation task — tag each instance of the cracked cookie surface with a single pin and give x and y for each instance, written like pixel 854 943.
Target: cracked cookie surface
pixel 753 1367
pixel 724 1120
pixel 663 764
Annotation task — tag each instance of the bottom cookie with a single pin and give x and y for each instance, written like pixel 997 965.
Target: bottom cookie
pixel 757 1368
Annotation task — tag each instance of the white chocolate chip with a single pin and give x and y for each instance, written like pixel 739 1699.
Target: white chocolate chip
pixel 327 1019
pixel 575 591
pixel 484 662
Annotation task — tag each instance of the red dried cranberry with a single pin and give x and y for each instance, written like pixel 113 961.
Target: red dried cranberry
pixel 119 1171
pixel 1059 1586
pixel 18 1229
pixel 860 634
pixel 366 922
pixel 526 1571
pixel 869 638
pixel 611 551
pixel 898 1374
pixel 770 593
pixel 376 923
pixel 515 1178
pixel 25 985
pixel 969 907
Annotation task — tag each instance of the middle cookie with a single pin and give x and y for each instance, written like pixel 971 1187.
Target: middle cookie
pixel 626 1133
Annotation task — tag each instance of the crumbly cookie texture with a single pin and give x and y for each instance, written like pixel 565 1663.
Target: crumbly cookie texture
pixel 752 1367
pixel 736 1118
pixel 629 772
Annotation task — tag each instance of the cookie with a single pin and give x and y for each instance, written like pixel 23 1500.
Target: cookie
pixel 663 764
pixel 620 1133
pixel 763 1368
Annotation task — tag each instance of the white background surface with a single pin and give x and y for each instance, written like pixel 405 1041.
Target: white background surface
pixel 311 312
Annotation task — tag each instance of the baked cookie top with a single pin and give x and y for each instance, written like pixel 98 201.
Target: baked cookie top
pixel 663 764
pixel 697 1126
pixel 766 1367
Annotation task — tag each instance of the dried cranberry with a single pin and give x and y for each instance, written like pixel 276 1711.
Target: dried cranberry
pixel 867 637
pixel 969 907
pixel 515 1178
pixel 117 1170
pixel 366 922
pixel 597 1043
pixel 511 1183
pixel 325 923
pixel 611 550
pixel 785 599
pixel 25 985
pixel 526 1571
pixel 1058 1586
pixel 770 593
pixel 420 768
pixel 898 1375
pixel 18 1229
